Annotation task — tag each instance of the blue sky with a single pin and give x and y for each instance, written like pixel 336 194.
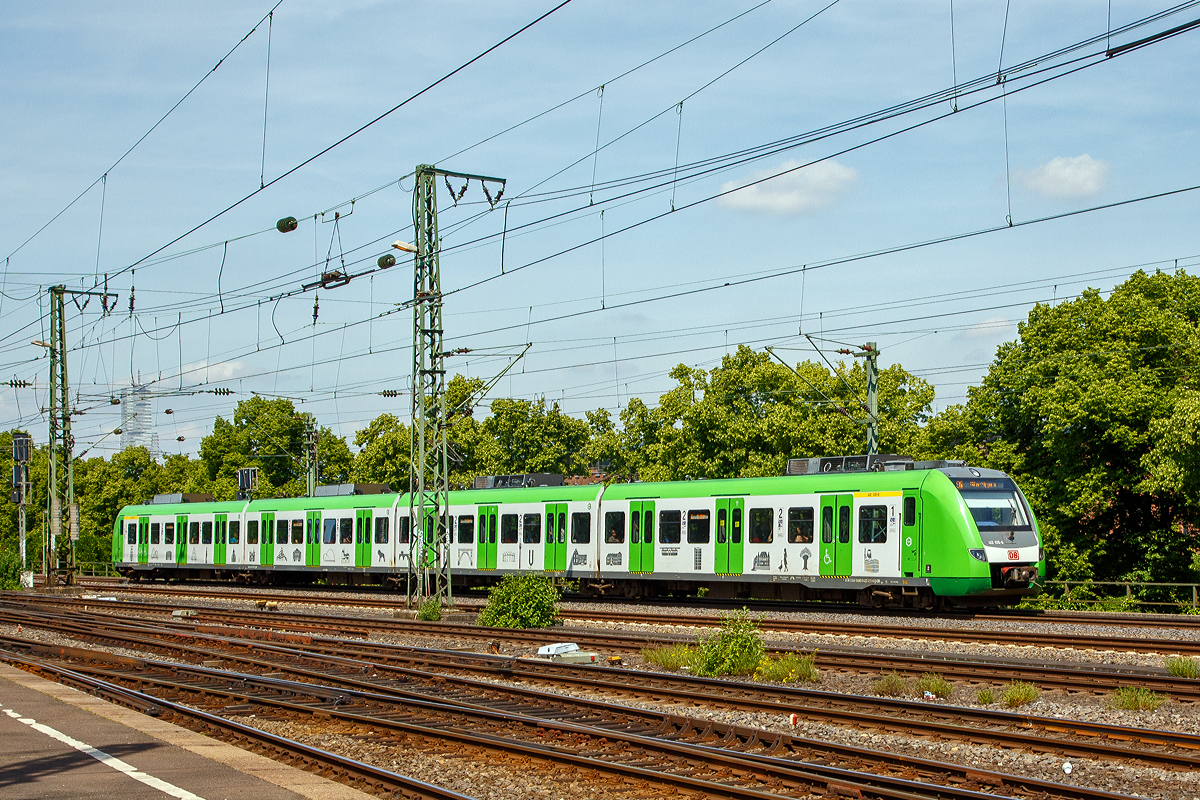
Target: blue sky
pixel 83 82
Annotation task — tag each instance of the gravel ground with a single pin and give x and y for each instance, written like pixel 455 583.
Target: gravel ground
pixel 488 777
pixel 510 782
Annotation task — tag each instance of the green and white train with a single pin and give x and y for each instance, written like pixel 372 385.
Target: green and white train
pixel 901 533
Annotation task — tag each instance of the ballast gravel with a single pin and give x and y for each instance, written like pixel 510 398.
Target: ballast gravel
pixel 501 781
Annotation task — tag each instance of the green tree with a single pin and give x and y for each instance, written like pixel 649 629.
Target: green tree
pixel 750 414
pixel 534 437
pixel 1092 410
pixel 269 435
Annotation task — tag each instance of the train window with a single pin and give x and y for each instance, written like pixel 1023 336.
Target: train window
pixel 531 528
pixel 194 533
pixel 910 511
pixel 614 527
pixel 508 529
pixel 169 533
pixel 670 525
pixel 872 524
pixel 827 524
pixel 346 530
pixel 297 531
pixel 403 535
pixel 281 530
pixel 697 527
pixel 581 527
pixel 131 533
pixel 648 528
pixel 206 533
pixel 562 528
pixel 235 532
pixel 844 524
pixel 800 525
pixel 154 532
pixel 635 528
pixel 762 525
pixel 252 532
pixel 466 529
pixel 491 528
pixel 329 534
pixel 735 527
pixel 381 530
pixel 722 524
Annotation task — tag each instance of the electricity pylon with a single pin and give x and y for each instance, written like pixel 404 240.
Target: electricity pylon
pixel 429 569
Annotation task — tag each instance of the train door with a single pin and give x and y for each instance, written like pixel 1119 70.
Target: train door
pixel 910 534
pixel 220 527
pixel 729 536
pixel 181 531
pixel 556 537
pixel 837 523
pixel 143 540
pixel 427 539
pixel 266 540
pixel 312 539
pixel 362 537
pixel 485 555
pixel 641 536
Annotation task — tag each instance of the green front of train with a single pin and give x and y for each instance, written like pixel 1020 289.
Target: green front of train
pixel 980 540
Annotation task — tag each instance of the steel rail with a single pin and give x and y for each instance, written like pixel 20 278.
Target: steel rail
pixel 1043 672
pixel 886 713
pixel 1136 644
pixel 275 746
pixel 663 736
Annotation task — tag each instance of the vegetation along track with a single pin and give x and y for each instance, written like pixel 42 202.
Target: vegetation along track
pixel 584 738
pixel 310 658
pixel 1048 674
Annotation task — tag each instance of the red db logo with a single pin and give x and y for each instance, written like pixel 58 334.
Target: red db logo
pixel 1013 555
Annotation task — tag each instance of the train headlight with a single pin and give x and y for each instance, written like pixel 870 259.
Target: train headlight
pixel 1041 554
pixel 979 555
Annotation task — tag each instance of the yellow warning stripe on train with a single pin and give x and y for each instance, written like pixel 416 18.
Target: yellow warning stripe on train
pixel 878 494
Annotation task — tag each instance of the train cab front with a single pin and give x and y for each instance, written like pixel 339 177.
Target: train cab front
pixel 1007 530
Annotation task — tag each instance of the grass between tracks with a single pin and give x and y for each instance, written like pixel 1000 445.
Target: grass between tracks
pixel 1136 698
pixel 735 649
pixel 1182 667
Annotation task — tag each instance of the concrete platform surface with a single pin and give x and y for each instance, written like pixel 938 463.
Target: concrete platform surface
pixel 56 742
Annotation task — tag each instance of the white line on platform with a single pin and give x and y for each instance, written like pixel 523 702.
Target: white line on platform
pixel 104 758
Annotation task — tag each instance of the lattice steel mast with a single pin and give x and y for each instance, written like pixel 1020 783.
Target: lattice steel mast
pixel 429 569
pixel 62 471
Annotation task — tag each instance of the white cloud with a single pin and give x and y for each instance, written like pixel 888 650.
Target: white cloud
pixel 1067 176
pixel 993 328
pixel 803 191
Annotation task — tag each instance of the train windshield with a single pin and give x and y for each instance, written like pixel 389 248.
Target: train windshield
pixel 999 511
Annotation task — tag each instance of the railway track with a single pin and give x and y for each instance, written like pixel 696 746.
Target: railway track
pixel 567 732
pixel 1048 674
pixel 390 599
pixel 1137 644
pixel 309 658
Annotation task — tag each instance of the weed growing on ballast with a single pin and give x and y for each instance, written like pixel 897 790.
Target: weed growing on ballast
pixel 1182 667
pixel 789 668
pixel 936 685
pixel 430 610
pixel 891 684
pixel 736 649
pixel 673 657
pixel 1136 698
pixel 1018 693
pixel 521 601
pixel 985 696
